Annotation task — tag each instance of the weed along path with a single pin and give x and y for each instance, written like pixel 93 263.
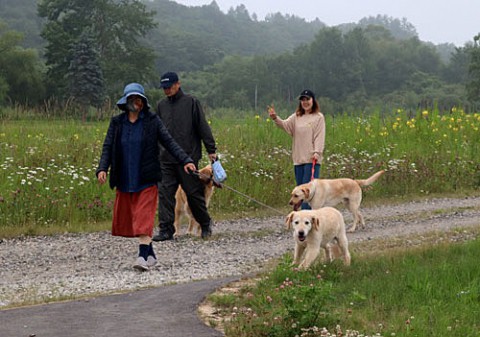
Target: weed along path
pixel 37 270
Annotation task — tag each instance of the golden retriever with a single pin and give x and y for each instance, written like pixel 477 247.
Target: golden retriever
pixel 181 207
pixel 330 192
pixel 315 229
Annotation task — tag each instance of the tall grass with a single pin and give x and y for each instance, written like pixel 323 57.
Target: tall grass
pixel 47 175
pixel 47 180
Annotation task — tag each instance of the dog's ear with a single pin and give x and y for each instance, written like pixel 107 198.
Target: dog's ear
pixel 288 221
pixel 306 192
pixel 316 223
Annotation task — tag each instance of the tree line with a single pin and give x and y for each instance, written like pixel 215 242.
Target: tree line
pixel 86 51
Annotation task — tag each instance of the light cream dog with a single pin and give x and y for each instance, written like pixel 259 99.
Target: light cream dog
pixel 330 192
pixel 181 207
pixel 315 229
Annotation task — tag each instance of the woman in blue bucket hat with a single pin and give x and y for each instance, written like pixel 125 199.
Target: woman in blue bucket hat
pixel 130 152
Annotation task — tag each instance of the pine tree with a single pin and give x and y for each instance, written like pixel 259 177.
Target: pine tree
pixel 85 77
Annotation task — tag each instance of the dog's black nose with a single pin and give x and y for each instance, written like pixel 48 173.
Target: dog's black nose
pixel 301 233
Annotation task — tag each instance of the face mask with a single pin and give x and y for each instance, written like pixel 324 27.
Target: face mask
pixel 131 106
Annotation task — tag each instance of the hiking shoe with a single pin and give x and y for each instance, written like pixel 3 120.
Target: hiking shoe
pixel 141 264
pixel 151 261
pixel 163 236
pixel 206 232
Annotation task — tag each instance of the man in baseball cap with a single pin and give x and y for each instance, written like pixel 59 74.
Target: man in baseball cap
pixel 168 79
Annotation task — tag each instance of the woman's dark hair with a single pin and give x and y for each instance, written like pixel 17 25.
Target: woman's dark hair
pixel 301 111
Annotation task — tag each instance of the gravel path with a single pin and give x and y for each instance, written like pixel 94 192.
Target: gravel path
pixel 36 269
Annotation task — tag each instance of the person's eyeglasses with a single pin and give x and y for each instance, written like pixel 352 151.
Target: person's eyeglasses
pixel 304 99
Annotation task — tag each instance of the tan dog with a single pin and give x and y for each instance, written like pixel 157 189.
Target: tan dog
pixel 315 229
pixel 181 207
pixel 330 192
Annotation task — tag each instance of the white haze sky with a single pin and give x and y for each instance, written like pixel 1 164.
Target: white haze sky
pixel 437 21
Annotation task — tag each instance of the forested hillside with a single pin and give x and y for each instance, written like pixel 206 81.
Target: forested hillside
pixel 230 60
pixel 188 38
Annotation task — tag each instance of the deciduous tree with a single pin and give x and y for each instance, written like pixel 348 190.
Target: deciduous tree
pixel 20 70
pixel 473 84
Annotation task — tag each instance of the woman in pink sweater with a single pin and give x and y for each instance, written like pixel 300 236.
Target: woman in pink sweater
pixel 307 128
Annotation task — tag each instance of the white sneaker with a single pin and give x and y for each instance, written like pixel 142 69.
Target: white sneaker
pixel 151 261
pixel 141 264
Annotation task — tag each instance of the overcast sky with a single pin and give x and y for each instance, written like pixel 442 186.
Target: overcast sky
pixel 438 21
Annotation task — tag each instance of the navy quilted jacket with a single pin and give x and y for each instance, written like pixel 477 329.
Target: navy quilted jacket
pixel 154 134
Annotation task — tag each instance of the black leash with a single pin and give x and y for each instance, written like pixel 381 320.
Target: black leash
pixel 196 173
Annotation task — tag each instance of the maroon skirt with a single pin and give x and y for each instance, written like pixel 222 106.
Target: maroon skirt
pixel 134 213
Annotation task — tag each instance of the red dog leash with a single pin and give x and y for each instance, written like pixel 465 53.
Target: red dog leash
pixel 313 168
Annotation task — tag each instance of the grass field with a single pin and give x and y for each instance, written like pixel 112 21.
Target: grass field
pixel 430 290
pixel 48 184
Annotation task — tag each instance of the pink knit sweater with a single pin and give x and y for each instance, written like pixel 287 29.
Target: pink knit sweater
pixel 308 134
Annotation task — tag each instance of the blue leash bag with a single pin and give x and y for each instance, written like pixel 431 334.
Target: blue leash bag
pixel 219 173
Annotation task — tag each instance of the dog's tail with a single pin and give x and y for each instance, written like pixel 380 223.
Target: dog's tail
pixel 371 180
